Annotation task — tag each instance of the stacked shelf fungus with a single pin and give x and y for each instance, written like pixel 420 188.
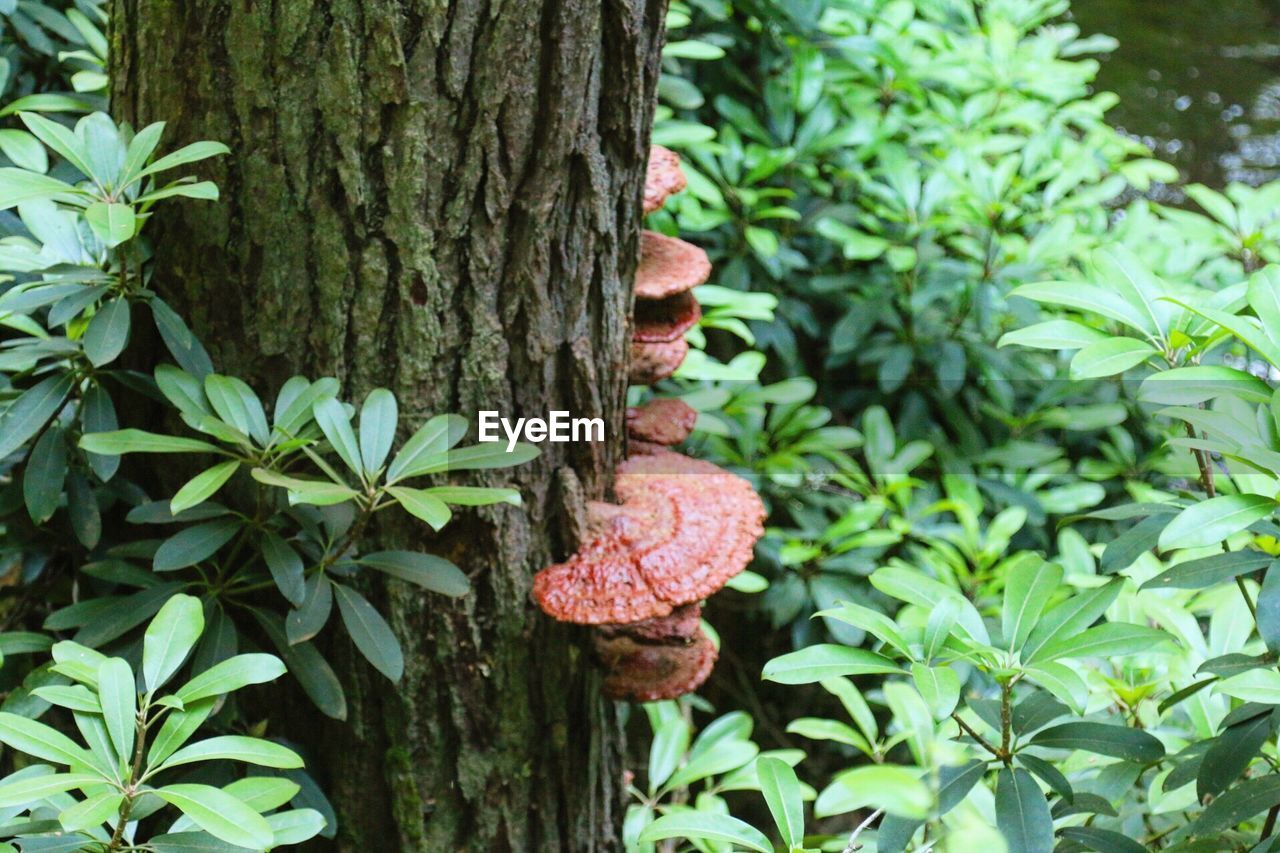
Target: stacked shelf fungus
pixel 682 527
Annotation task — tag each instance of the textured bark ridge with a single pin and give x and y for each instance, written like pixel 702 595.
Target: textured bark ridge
pixel 442 198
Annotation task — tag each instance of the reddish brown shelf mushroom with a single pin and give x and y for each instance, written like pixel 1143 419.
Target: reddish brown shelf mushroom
pixel 640 672
pixel 652 363
pixel 666 422
pixel 669 266
pixel 663 320
pixel 684 527
pixel 663 179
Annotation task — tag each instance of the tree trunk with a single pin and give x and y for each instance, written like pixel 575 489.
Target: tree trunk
pixel 441 198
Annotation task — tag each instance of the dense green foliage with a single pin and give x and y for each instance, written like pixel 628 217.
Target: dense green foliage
pixel 1034 603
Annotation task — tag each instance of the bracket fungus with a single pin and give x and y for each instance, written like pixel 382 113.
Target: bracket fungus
pixel 663 179
pixel 666 422
pixel 682 527
pixel 669 266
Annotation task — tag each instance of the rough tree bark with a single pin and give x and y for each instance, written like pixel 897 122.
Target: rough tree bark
pixel 441 198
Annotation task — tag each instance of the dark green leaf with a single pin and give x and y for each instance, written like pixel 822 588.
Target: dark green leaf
pixel 1101 840
pixel 26 415
pixel 1230 754
pixel 370 632
pixel 1022 814
pixel 305 621
pixel 1116 741
pixel 46 472
pixel 1208 571
pixel 1238 804
pixel 426 570
pixel 1268 608
pixel 195 544
pixel 286 568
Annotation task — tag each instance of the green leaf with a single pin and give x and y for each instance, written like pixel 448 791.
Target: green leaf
pixel 250 750
pixel 378 420
pixel 1209 571
pixel 897 790
pixel 91 813
pixel 1191 386
pixel 484 456
pixel 113 223
pixel 195 544
pixel 1088 299
pixel 63 142
pixel 308 666
pixel 26 415
pixel 1101 840
pixel 426 570
pixel 44 476
pixel 423 505
pixel 1211 521
pixel 1022 813
pixel 939 686
pixel 917 588
pixel 1063 682
pixel 825 660
pixel 1054 335
pixel 139 441
pixel 314 492
pixel 236 404
pixel 296 825
pixel 24 150
pixel 75 697
pixel 473 495
pixel 305 621
pixel 816 728
pixel 784 796
pixel 178 726
pixel 169 638
pixel 1268 608
pixel 1255 685
pixel 182 345
pixel 40 741
pixel 670 740
pixel 18 186
pixel 119 702
pixel 286 568
pixel 336 426
pixel 192 153
pixel 1109 357
pixel 1230 754
pixel 1028 588
pixel 1071 617
pixel 370 632
pixel 1112 639
pixel 434 438
pixel 1116 741
pixel 203 486
pixel 32 790
pixel 707 826
pixel 1238 804
pixel 219 814
pixel 230 675
pixel 108 332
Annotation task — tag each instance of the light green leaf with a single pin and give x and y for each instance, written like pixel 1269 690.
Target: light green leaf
pixel 231 675
pixel 219 814
pixel 250 750
pixel 113 223
pixel 203 486
pixel 1211 521
pixel 707 826
pixel 897 790
pixel 378 419
pixel 423 505
pixel 119 701
pixel 1109 357
pixel 169 638
pixel 784 796
pixel 825 660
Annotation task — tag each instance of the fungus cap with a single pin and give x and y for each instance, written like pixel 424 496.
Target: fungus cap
pixel 667 421
pixel 653 362
pixel 663 179
pixel 663 320
pixel 641 672
pixel 669 266
pixel 684 527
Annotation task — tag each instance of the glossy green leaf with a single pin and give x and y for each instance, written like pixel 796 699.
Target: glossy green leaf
pixel 1211 521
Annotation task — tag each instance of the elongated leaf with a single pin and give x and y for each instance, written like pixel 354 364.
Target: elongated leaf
pixel 170 638
pixel 140 441
pixel 897 790
pixel 219 814
pixel 826 661
pixel 336 426
pixel 119 703
pixel 1191 386
pixel 308 666
pixel 423 505
pixel 1028 589
pixel 1110 639
pixel 1238 804
pixel 1211 521
pixel 426 570
pixel 473 495
pixel 708 826
pixel 921 590
pixel 377 428
pixel 1070 617
pixel 250 750
pixel 40 741
pixel 1230 754
pixel 782 793
pixel 306 620
pixel 1208 571
pixel 1115 741
pixel 195 544
pixel 370 632
pixel 434 438
pixel 91 813
pixel 1101 840
pixel 203 486
pixel 286 568
pixel 231 675
pixel 45 474
pixel 113 223
pixel 1022 814
pixel 31 411
pixel 1053 334
pixel 32 790
pixel 1109 357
